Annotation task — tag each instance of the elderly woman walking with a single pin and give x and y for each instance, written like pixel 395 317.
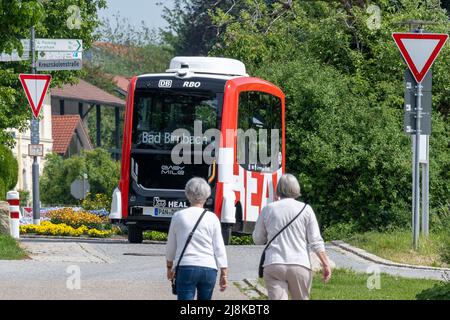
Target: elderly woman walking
pixel 194 263
pixel 287 266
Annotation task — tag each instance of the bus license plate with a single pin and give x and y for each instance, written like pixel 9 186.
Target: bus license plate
pixel 159 212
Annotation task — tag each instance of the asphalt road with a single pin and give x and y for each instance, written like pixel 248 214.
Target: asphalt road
pixel 107 271
pixel 133 271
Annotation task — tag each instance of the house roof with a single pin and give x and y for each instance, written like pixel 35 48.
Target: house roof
pixel 63 129
pixel 87 93
pixel 122 82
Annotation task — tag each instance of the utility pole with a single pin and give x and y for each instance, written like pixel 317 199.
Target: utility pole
pixel 35 140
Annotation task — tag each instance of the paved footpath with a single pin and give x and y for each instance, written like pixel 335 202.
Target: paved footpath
pixel 118 270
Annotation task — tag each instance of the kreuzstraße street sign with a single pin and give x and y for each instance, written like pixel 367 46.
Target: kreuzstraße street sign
pixel 35 86
pixel 55 65
pixel 419 50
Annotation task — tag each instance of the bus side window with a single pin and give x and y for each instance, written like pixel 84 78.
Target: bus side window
pixel 259 131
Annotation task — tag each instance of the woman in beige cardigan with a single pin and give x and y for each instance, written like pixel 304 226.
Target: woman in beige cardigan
pixel 287 266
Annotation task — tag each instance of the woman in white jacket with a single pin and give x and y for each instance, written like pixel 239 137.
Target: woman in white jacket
pixel 205 253
pixel 287 267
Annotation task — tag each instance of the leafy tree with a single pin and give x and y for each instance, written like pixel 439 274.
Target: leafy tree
pixel 344 99
pixel 191 30
pixel 103 175
pixel 128 50
pixel 8 171
pixel 50 19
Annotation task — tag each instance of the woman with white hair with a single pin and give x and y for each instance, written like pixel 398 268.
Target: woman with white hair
pixel 195 235
pixel 292 230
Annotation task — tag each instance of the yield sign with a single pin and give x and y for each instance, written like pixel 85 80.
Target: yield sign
pixel 419 50
pixel 35 86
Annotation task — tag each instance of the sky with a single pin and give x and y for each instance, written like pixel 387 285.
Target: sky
pixel 137 11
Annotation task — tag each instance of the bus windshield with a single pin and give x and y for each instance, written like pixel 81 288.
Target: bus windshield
pixel 157 113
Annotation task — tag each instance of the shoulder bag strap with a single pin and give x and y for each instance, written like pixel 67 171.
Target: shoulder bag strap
pixel 290 222
pixel 189 239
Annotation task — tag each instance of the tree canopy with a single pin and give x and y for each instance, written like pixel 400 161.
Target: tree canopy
pixel 51 19
pixel 343 79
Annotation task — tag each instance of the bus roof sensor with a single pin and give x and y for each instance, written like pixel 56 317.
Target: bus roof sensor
pixel 209 65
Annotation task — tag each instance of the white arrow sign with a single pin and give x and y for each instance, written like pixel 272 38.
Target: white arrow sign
pixel 54 44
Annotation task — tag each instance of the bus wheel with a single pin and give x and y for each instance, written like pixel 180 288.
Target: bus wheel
pixel 227 228
pixel 135 234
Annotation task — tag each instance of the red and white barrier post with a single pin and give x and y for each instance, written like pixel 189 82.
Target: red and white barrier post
pixel 14 213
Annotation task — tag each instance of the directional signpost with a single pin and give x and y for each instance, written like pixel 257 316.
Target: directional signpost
pixel 54 55
pixel 14 56
pixel 419 51
pixel 60 55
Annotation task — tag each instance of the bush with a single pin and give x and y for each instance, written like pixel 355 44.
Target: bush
pixel 445 252
pixel 103 175
pixel 339 231
pixel 241 240
pixel 440 218
pixel 8 171
pixel 77 219
pixel 344 98
pixel 97 202
pixel 439 291
pixel 155 236
pixel 24 197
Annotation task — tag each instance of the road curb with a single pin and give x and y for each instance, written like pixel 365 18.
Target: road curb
pixel 256 286
pixel 374 258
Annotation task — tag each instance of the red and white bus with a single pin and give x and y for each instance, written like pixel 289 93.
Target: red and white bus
pixel 219 93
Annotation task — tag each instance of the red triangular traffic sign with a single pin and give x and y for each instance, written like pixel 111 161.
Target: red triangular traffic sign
pixel 35 86
pixel 419 50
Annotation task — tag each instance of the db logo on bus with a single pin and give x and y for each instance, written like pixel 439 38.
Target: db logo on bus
pixel 165 84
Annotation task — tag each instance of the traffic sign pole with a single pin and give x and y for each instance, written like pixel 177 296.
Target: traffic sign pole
pixel 419 50
pixel 35 140
pixel 416 195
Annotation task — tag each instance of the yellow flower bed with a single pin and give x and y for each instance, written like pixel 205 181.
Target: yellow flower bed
pixel 50 229
pixel 77 219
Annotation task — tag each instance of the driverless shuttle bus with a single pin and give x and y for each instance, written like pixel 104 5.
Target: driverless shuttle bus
pixel 161 150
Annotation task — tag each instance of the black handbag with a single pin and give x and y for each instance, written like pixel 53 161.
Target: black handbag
pixel 263 255
pixel 174 284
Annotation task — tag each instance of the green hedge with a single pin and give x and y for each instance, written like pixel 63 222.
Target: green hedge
pixel 8 171
pixel 103 175
pixel 437 292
